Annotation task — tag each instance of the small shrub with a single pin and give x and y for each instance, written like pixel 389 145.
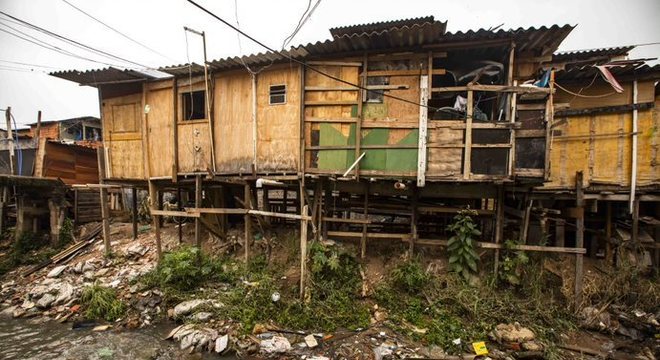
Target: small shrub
pixel 409 276
pixel 66 233
pixel 184 270
pixel 101 303
pixel 462 256
pixel 513 264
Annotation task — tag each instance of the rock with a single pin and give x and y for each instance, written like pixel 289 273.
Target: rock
pixel 88 276
pixel 532 346
pixel 9 311
pixel 311 342
pixel 65 294
pixel 259 329
pixel 221 343
pixel 512 333
pixel 114 283
pixel 187 341
pixel 382 351
pixel 101 328
pixel 276 344
pixel 202 316
pixel 27 305
pixel 88 266
pixel 594 319
pixel 57 271
pixel 46 301
pixel 19 312
pixel 137 250
pixel 188 307
pixel 102 272
pixel 78 268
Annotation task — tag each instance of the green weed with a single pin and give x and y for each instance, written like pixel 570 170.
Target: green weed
pixel 101 303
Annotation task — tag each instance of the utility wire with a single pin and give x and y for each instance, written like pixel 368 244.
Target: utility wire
pixel 286 56
pixel 71 41
pixel 303 19
pixel 118 32
pixel 45 45
pixel 27 64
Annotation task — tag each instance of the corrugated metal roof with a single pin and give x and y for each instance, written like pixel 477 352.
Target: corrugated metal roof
pixel 543 40
pixel 107 76
pixel 629 69
pixel 385 26
pixel 183 69
pixel 579 55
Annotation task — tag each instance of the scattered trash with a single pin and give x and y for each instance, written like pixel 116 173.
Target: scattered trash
pixel 57 271
pixel 275 296
pixel 311 342
pixel 276 344
pixel 221 343
pixel 480 348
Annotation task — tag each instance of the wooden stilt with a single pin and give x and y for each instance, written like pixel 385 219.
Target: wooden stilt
pixel 247 198
pixel 365 212
pixel 499 226
pixel 524 229
pixel 635 223
pixel 4 195
pixel 413 221
pixel 327 198
pixel 105 218
pixel 265 200
pixel 56 220
pixel 316 210
pixel 579 237
pixel 180 208
pixel 135 212
pixel 303 251
pixel 609 256
pixel 153 195
pixel 560 233
pixel 198 204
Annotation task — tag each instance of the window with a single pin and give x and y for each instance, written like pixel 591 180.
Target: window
pixel 194 105
pixel 277 94
pixel 376 96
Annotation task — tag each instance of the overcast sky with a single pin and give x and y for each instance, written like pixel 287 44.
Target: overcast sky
pixel 158 24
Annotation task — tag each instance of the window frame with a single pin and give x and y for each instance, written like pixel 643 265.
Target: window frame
pixel 270 94
pixel 186 93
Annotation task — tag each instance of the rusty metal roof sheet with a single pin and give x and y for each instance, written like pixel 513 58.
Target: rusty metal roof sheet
pixel 381 26
pixel 623 70
pixel 107 76
pixel 580 55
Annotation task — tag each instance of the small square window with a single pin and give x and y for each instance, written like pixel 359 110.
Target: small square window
pixel 376 96
pixel 277 94
pixel 194 105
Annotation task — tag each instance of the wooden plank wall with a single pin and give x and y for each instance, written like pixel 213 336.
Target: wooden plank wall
pixel 233 122
pixel 122 134
pixel 600 145
pixel 72 164
pixel 160 127
pixel 278 126
pixel 194 150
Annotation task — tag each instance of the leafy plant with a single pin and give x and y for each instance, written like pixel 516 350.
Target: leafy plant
pixel 66 233
pixel 462 256
pixel 409 276
pixel 513 264
pixel 185 269
pixel 101 303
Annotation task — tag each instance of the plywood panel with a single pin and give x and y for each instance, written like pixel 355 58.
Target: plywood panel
pixel 278 126
pixel 645 94
pixel 647 142
pixel 445 162
pixel 193 140
pixel 121 120
pixel 233 124
pixel 160 123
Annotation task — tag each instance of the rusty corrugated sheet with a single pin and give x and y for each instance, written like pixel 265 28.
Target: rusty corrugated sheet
pixel 107 75
pixel 578 55
pixel 629 69
pixel 383 25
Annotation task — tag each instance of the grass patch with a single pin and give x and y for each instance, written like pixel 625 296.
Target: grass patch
pixel 101 302
pixel 447 307
pixel 28 249
pixel 183 270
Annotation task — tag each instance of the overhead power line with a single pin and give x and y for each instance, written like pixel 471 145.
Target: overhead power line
pixel 27 64
pixel 71 41
pixel 302 63
pixel 43 44
pixel 117 31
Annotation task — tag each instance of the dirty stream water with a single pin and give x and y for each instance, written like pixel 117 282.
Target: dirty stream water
pixel 30 339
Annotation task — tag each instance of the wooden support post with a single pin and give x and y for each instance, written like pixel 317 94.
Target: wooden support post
pixel 56 219
pixel 265 197
pixel 579 237
pixel 560 233
pixel 467 153
pixel 635 223
pixel 198 204
pixel 105 218
pixel 247 198
pixel 75 207
pixel 180 208
pixel 524 229
pixel 423 124
pixel 365 212
pixel 413 221
pixel 10 141
pixel 303 251
pixel 327 198
pixel 4 194
pixel 135 212
pixel 499 226
pixel 609 255
pixel 153 195
pixel 316 210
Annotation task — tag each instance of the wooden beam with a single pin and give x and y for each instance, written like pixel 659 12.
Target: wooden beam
pixel 360 117
pixel 403 72
pixel 247 221
pixel 413 221
pixel 105 210
pixel 174 213
pixel 134 212
pixel 346 221
pixel 579 238
pixel 335 63
pixel 303 251
pixel 495 88
pixel 499 226
pixel 198 204
pixel 153 196
pixel 467 158
pixel 365 213
pixel 422 138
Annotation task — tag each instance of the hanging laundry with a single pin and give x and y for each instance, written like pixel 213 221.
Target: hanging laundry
pixel 460 104
pixel 607 76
